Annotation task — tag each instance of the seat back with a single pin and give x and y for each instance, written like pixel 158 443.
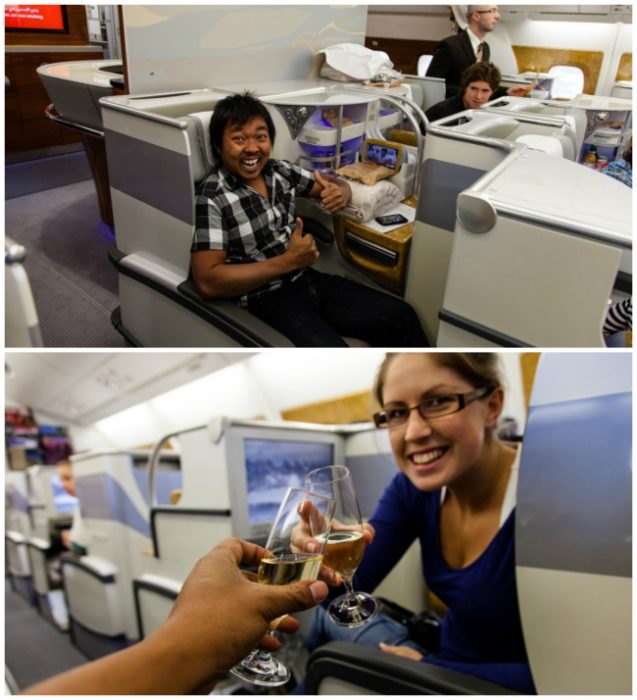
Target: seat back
pixel 37 552
pixel 198 134
pixel 622 89
pixel 21 324
pixel 423 63
pixel 16 555
pixel 426 91
pixel 114 517
pixel 154 599
pixel 184 531
pixel 574 524
pixel 16 508
pixel 156 159
pixel 93 590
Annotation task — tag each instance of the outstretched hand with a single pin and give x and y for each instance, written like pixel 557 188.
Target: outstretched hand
pixel 224 614
pixel 219 616
pixel 518 91
pixel 335 193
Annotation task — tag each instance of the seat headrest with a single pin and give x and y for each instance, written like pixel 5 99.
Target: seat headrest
pixel 198 129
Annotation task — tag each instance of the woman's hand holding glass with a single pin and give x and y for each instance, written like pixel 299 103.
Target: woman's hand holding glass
pixel 344 544
pixel 303 540
pixel 290 558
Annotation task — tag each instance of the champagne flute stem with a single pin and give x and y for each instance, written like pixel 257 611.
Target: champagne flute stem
pixel 260 655
pixel 349 592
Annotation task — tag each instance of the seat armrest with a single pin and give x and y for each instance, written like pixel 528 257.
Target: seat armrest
pixel 373 671
pixel 225 314
pixel 318 230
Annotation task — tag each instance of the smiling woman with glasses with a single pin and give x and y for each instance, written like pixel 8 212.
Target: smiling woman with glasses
pixel 434 407
pixel 455 493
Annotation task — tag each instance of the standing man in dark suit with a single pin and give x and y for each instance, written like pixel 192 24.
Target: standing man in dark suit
pixel 456 53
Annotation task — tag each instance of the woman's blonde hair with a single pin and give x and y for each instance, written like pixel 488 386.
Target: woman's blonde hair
pixel 478 368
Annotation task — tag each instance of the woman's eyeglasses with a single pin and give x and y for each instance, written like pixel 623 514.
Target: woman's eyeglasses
pixel 393 416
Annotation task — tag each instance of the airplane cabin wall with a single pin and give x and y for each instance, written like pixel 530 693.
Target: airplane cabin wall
pixel 408 23
pixel 172 47
pixel 613 39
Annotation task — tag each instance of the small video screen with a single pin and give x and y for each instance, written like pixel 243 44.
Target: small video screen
pixel 381 155
pixel 274 465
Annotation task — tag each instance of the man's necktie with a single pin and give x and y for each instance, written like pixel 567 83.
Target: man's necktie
pixel 480 52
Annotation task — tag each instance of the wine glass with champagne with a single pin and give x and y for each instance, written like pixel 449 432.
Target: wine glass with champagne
pixel 345 544
pixel 287 560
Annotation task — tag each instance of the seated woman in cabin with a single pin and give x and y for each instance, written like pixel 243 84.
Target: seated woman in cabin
pixel 249 245
pixel 455 493
pixel 478 84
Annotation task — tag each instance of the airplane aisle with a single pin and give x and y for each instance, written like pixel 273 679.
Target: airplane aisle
pixel 34 648
pixel 73 283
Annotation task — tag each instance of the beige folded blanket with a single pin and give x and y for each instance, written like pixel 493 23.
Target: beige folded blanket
pixel 369 201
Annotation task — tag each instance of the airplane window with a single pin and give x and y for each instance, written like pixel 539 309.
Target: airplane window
pixel 568 82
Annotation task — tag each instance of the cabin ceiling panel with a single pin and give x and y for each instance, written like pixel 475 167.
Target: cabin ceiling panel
pixel 35 379
pixel 84 387
pixel 607 13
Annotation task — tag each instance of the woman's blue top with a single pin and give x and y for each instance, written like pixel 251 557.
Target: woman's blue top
pixel 481 633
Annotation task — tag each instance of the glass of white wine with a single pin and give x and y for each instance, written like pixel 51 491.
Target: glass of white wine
pixel 345 544
pixel 287 561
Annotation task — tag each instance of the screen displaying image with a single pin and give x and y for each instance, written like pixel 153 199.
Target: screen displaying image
pixel 35 18
pixel 272 466
pixel 382 155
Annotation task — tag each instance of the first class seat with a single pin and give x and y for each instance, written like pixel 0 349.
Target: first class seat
pixel 155 164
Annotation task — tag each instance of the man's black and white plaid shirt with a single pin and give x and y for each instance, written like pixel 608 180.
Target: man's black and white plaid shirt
pixel 232 217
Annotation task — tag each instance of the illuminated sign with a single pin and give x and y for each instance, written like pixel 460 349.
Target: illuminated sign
pixel 35 18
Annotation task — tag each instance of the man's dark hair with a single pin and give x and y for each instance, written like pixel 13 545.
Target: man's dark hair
pixel 237 109
pixel 487 72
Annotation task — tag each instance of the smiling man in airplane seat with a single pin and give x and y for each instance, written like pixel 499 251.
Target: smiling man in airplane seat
pixel 249 245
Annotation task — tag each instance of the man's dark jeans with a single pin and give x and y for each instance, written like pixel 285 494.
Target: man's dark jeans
pixel 318 310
